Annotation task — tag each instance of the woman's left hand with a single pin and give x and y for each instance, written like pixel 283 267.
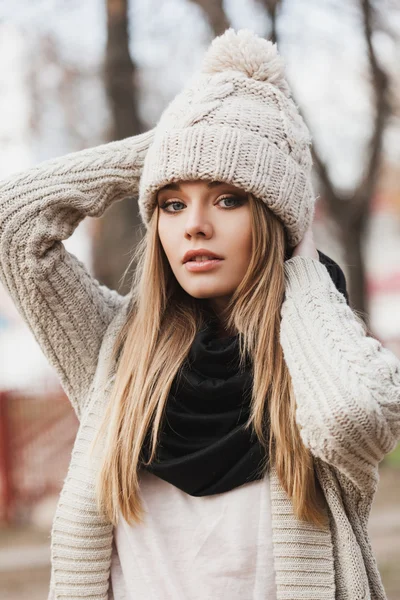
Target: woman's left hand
pixel 306 247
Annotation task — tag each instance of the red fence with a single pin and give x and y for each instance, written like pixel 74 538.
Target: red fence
pixel 37 432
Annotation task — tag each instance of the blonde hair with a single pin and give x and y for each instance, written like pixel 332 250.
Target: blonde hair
pixel 152 345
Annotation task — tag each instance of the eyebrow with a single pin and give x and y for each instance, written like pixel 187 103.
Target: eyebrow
pixel 177 187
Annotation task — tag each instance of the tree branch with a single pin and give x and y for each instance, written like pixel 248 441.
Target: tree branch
pixel 380 82
pixel 272 7
pixel 215 14
pixel 329 193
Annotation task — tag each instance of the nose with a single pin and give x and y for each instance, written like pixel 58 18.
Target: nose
pixel 198 223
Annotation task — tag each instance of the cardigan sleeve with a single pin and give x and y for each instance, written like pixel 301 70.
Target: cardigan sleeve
pixel 346 384
pixel 66 309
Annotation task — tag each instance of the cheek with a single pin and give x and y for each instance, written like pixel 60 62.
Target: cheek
pixel 166 239
pixel 243 238
pixel 245 250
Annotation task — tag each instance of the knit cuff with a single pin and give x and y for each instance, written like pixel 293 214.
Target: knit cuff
pixel 303 272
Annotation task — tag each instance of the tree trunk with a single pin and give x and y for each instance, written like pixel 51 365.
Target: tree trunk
pixel 120 72
pixel 353 239
pixel 116 233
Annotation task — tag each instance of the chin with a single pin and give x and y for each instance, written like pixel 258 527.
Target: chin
pixel 206 292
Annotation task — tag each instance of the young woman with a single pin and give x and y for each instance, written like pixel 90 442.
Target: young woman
pixel 233 412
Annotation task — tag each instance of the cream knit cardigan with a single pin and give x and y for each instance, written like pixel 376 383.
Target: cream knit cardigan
pixel 346 384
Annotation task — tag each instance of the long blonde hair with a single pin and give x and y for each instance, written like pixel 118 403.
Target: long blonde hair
pixel 152 345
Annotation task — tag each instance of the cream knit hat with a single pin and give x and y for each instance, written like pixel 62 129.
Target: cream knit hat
pixel 236 122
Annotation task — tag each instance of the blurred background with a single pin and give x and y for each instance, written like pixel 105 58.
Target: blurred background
pixel 78 74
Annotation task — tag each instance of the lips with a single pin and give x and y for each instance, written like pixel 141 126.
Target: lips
pixel 202 265
pixel 192 254
pixel 202 258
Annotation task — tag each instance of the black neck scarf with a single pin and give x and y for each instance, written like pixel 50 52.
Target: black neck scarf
pixel 204 448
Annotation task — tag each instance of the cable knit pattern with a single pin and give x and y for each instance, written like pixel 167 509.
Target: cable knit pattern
pixel 346 384
pixel 329 355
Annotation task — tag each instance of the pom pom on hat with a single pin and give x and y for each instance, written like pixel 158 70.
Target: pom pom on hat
pixel 247 53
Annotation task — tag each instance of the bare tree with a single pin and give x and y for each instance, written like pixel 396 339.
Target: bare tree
pixel 116 233
pixel 120 72
pixel 350 211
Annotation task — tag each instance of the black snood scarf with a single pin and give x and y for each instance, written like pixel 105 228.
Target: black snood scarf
pixel 204 448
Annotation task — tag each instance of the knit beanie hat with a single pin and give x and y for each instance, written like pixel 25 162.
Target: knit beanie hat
pixel 236 123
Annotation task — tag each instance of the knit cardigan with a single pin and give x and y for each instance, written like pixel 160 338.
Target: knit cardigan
pixel 346 384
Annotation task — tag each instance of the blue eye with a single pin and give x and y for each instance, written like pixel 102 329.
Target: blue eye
pixel 236 198
pixel 239 201
pixel 166 204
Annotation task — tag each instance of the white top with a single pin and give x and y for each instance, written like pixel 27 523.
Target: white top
pixel 190 548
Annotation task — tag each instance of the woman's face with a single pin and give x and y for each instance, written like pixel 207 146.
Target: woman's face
pixel 209 215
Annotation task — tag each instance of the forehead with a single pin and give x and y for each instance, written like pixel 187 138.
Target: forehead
pixel 187 185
